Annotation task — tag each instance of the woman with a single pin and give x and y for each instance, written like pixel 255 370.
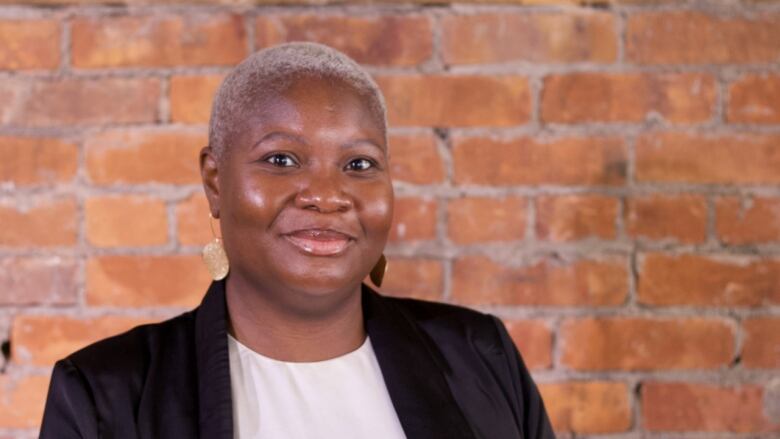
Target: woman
pixel 291 343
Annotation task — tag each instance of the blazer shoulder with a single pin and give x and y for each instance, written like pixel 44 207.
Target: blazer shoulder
pixel 440 319
pixel 130 352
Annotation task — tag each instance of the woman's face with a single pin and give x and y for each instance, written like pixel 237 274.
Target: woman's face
pixel 304 195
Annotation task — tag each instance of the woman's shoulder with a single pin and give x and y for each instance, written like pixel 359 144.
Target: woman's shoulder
pixel 454 322
pixel 133 349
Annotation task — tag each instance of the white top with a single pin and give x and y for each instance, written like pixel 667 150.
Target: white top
pixel 340 398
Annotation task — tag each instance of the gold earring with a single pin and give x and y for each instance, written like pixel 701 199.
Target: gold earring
pixel 214 255
pixel 379 270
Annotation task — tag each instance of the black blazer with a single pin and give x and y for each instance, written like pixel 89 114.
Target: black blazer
pixel 451 373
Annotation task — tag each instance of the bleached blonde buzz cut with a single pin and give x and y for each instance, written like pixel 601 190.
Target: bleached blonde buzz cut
pixel 272 70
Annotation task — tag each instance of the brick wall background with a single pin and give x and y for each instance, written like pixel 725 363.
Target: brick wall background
pixel 605 177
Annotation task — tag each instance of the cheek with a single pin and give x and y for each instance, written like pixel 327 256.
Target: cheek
pixel 378 210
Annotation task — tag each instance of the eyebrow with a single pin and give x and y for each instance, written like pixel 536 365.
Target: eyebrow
pixel 281 134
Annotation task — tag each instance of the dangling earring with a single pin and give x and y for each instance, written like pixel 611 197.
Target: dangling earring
pixel 214 255
pixel 379 270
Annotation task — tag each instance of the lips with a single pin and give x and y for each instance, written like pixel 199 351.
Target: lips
pixel 319 242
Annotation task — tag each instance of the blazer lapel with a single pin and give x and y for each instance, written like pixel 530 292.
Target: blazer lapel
pixel 213 363
pixel 416 383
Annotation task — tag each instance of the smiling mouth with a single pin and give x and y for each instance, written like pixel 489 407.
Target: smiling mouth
pixel 319 242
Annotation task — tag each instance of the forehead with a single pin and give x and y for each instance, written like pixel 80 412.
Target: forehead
pixel 310 103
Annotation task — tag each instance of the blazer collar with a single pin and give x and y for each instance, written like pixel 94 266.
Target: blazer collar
pixel 412 369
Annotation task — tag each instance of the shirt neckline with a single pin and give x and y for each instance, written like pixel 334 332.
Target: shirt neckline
pixel 244 350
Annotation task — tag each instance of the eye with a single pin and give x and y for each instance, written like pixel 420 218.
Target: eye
pixel 360 165
pixel 281 160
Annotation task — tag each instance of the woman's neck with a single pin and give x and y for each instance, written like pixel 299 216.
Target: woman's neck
pixel 282 332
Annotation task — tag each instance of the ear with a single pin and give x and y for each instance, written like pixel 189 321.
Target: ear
pixel 209 174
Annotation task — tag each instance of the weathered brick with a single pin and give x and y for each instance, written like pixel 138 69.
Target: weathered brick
pixel 658 217
pixel 693 37
pixel 158 40
pixel 627 343
pixel 192 220
pixel 563 161
pixel 144 156
pixel 762 343
pixel 39 222
pixel 587 407
pixel 43 339
pixel 627 97
pixel 476 280
pixel 539 37
pixel 418 278
pixel 572 217
pixel 480 219
pixel 74 102
pixel 708 280
pixel 748 221
pixel 456 100
pixel 22 400
pixel 37 160
pixel 29 44
pixel 533 339
pixel 679 406
pixel 388 40
pixel 754 99
pixel 690 158
pixel 414 219
pixel 415 159
pixel 38 280
pixel 137 281
pixel 125 221
pixel 191 97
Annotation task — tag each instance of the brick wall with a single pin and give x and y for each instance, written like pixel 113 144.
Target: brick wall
pixel 603 177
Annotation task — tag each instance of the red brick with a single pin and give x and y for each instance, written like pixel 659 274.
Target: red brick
pixel 37 160
pixel 41 340
pixel 751 221
pixel 754 99
pixel 137 281
pixel 39 222
pixel 456 100
pixel 415 159
pixel 563 161
pixel 38 280
pixel 414 219
pixel 143 156
pixel 192 220
pixel 627 343
pixel 476 280
pixel 658 217
pixel 22 400
pixel 572 217
pixel 479 219
pixel 762 343
pixel 692 37
pixel 389 40
pixel 158 40
pixel 708 280
pixel 533 339
pixel 627 97
pixel 677 406
pixel 538 38
pixel 418 278
pixel 29 44
pixel 191 97
pixel 76 102
pixel 725 159
pixel 126 221
pixel 587 407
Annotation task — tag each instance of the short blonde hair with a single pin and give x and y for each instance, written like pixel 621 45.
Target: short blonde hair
pixel 271 71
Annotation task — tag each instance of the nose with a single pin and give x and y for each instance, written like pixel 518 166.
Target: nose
pixel 324 193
